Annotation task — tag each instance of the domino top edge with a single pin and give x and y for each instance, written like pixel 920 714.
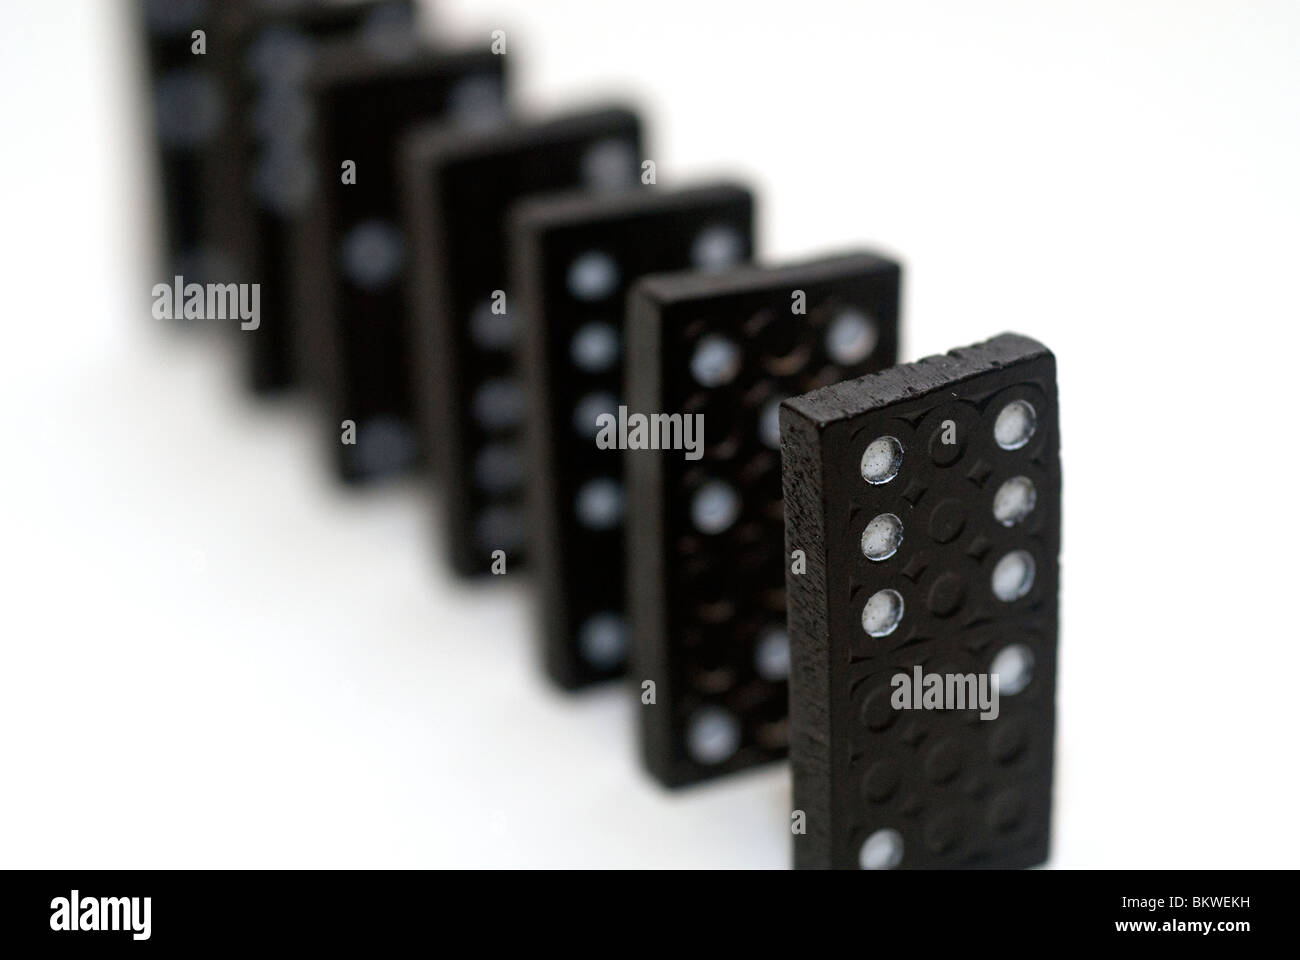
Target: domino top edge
pixel 428 143
pixel 666 289
pixel 840 401
pixel 344 62
pixel 582 206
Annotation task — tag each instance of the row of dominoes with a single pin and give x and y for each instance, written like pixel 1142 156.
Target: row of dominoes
pixel 714 469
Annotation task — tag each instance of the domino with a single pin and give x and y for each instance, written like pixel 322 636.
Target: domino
pixel 926 500
pixel 261 177
pixel 705 559
pixel 574 262
pixel 188 115
pixel 461 188
pixel 353 253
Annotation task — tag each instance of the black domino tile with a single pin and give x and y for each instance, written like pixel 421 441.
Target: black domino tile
pixel 865 463
pixel 353 253
pixel 188 113
pixel 261 175
pixel 462 187
pixel 575 259
pixel 706 561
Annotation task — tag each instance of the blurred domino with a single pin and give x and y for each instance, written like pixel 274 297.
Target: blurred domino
pixel 706 559
pixel 188 113
pixel 354 256
pixel 576 257
pixel 927 501
pixel 461 187
pixel 261 175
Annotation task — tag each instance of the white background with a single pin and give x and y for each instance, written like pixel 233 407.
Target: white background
pixel 211 657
